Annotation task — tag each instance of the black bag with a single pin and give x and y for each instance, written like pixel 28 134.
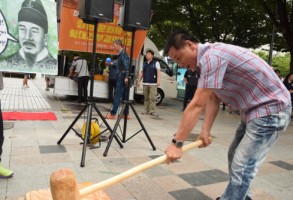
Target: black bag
pixel 76 78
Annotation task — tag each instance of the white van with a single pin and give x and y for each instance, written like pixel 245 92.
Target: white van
pixel 168 87
pixel 66 86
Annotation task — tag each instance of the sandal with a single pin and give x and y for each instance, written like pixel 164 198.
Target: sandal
pixel 110 116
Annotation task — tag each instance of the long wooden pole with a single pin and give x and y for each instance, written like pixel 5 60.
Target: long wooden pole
pixel 133 171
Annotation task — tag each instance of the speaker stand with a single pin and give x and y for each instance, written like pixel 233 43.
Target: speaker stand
pixel 125 109
pixel 89 106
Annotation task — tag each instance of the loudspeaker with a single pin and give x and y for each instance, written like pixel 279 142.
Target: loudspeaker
pixel 92 10
pixel 61 65
pixel 137 14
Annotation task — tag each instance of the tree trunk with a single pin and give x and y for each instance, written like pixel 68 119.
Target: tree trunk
pixel 291 62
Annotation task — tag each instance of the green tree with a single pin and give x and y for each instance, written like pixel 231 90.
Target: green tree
pixel 281 14
pixel 280 61
pixel 238 22
pixel 244 23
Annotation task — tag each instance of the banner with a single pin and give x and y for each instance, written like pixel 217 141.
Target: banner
pixel 78 36
pixel 28 36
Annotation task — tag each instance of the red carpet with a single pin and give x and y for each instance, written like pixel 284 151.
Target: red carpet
pixel 29 116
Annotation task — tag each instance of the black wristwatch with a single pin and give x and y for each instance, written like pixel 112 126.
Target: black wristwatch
pixel 177 143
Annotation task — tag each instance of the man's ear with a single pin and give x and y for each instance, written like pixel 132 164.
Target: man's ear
pixel 190 45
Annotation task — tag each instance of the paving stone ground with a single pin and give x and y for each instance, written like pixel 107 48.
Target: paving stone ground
pixel 32 152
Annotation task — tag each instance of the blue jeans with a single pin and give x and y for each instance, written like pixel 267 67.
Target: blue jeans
pixel 247 152
pixel 119 95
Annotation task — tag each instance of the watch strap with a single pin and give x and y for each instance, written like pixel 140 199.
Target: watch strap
pixel 177 143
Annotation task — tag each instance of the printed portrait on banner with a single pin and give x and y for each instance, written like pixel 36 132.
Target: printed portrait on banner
pixel 28 37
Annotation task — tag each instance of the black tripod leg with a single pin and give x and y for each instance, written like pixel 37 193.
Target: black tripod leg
pixel 126 107
pixel 107 125
pixel 72 124
pixel 113 132
pixel 87 133
pixel 142 126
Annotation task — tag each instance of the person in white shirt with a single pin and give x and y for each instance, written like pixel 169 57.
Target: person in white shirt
pixel 79 65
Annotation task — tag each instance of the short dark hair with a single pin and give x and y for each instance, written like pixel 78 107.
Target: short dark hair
pixel 287 77
pixel 150 51
pixel 118 42
pixel 75 54
pixel 277 71
pixel 177 40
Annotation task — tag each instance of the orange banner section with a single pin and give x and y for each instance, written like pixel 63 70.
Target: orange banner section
pixel 77 36
pixel 71 4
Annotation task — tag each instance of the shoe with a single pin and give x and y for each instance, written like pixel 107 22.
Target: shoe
pixel 5 173
pixel 154 114
pixel 145 113
pixel 110 116
pixel 127 116
pixel 47 89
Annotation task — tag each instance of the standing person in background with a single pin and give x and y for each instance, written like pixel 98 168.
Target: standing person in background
pixel 4 173
pixel 247 83
pixel 79 65
pixel 190 78
pixel 151 75
pixel 121 81
pixel 113 71
pixel 288 82
pixel 25 80
pixel 279 74
pixel 47 80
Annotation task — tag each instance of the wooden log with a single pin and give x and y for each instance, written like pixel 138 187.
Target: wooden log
pixel 45 194
pixel 63 185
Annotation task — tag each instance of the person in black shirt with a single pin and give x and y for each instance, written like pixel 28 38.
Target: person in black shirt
pixel 190 78
pixel 113 73
pixel 150 74
pixel 288 82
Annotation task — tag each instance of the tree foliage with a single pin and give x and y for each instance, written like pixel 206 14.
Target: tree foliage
pixel 246 23
pixel 236 22
pixel 281 13
pixel 280 62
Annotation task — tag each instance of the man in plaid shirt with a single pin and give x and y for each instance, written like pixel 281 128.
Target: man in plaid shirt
pixel 247 83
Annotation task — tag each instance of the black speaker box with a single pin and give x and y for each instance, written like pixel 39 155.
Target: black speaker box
pixel 137 14
pixel 61 65
pixel 96 10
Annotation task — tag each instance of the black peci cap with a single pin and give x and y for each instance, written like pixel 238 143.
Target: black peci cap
pixel 33 11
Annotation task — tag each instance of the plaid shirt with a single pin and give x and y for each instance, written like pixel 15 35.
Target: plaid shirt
pixel 241 80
